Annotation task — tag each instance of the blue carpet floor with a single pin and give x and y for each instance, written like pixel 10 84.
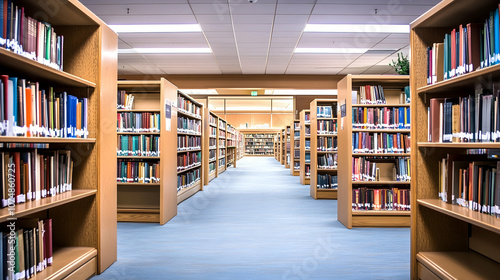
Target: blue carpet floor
pixel 257 221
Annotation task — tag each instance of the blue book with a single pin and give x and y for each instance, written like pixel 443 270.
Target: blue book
pixel 14 100
pixel 1 24
pixel 9 15
pixel 408 118
pixel 72 101
pixel 401 113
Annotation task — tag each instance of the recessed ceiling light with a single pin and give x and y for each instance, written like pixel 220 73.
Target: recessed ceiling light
pixel 164 50
pixel 331 50
pixel 358 28
pixel 155 28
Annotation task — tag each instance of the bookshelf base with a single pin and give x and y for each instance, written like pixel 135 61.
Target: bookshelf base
pixel 186 193
pixel 456 265
pixel 220 170
pixel 71 263
pixel 381 219
pixel 138 215
pixel 212 176
pixel 305 181
pixel 251 155
pixel 287 166
pixel 295 172
pixel 324 193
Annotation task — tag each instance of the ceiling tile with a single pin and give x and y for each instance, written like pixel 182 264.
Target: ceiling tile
pixel 211 27
pixel 377 70
pixel 360 19
pixel 153 19
pixel 141 9
pixel 220 19
pixel 314 71
pixel 294 9
pixel 244 27
pixel 369 9
pixel 216 34
pixel 245 8
pixel 290 19
pixel 218 8
pixel 253 19
pixel 352 70
pixel 101 2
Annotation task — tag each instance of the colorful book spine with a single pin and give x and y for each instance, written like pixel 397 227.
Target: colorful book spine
pixel 138 122
pixel 130 171
pixel 188 143
pixel 138 145
pixel 381 118
pixel 392 199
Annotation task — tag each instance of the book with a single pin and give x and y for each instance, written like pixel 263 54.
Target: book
pixel 393 199
pixel 189 179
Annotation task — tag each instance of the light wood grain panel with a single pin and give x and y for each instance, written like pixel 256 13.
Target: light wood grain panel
pixel 303 164
pixel 344 142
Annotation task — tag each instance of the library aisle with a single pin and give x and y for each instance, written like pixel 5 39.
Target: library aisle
pixel 258 222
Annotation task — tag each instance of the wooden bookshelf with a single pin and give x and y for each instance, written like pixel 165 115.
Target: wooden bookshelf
pixel 275 147
pixel 210 125
pixel 447 241
pixel 221 146
pixel 231 142
pixel 241 145
pixel 84 219
pixel 305 152
pixel 283 146
pixel 278 146
pixel 295 148
pixel 319 193
pixel 189 109
pixel 288 158
pixel 259 143
pixel 133 198
pixel 393 87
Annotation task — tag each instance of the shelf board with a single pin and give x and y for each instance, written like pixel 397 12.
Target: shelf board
pixel 138 110
pixel 212 160
pixel 54 140
pixel 380 155
pixel 137 184
pixel 380 105
pixel 488 145
pixel 188 133
pixel 326 119
pixel 213 124
pixel 326 190
pixel 153 84
pixel 380 183
pixel 66 261
pixel 185 151
pixel 382 130
pixel 380 213
pixel 187 169
pixel 34 206
pixel 461 81
pixel 187 192
pixel 179 112
pixel 326 152
pixel 459 265
pixel 327 169
pixel 138 133
pixel 40 71
pixel 136 157
pixel 473 217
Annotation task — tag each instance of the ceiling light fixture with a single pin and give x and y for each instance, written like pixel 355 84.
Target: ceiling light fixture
pixel 305 92
pixel 331 50
pixel 155 28
pixel 358 28
pixel 164 50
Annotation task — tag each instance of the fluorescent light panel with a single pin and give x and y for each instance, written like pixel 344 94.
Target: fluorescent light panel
pixel 331 50
pixel 165 50
pixel 155 28
pixel 199 91
pixel 358 28
pixel 305 92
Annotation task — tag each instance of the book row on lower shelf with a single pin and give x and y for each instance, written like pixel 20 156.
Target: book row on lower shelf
pixel 187 143
pixel 212 155
pixel 138 145
pixel 370 169
pixel 188 160
pixel 211 167
pixel 28 110
pixel 381 118
pixel 327 181
pixel 34 175
pixel 368 94
pixel 472 118
pixel 325 144
pixel 186 105
pixel 380 143
pixel 187 125
pixel 188 179
pixel 471 181
pixel 222 162
pixel 142 172
pixel 393 199
pixel 328 161
pixel 212 143
pixel 26 248
pixel 327 127
pixel 138 122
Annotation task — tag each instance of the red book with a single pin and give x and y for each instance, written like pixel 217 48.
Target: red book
pixel 461 61
pixel 47 240
pixel 453 50
pixel 28 110
pixel 434 111
pixel 17 174
pixel 473 34
pixel 5 81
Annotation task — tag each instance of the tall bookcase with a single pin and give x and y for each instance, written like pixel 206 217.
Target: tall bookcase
pixel 210 136
pixel 152 201
pixel 288 158
pixel 295 148
pixel 362 125
pixel 189 146
pixel 221 146
pixel 259 143
pixel 448 241
pixel 83 219
pixel 276 154
pixel 283 146
pixel 305 147
pixel 231 142
pixel 241 145
pixel 323 128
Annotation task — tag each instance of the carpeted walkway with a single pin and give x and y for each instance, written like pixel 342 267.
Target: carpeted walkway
pixel 256 221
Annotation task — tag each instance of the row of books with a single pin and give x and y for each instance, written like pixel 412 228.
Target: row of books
pixel 296 165
pixel 328 161
pixel 471 181
pixel 465 49
pixel 231 130
pixel 27 110
pixel 327 127
pixel 308 144
pixel 296 154
pixel 307 157
pixel 24 145
pixel 188 143
pixel 231 143
pixel 258 142
pixel 327 181
pixel 307 170
pixel 473 118
pixel 371 95
pixel 138 145
pixel 213 132
pixel 368 169
pixel 187 125
pixel 222 134
pixel 29 37
pixel 296 144
pixel 212 120
pixel 307 118
pixel 26 250
pixel 393 199
pixel 326 144
pixel 380 143
pixel 188 160
pixel 307 131
pixel 381 118
pixel 138 122
pixel 222 153
pixel 259 135
pixel 130 171
pixel 212 155
pixel 187 106
pixel 124 100
pixel 296 126
pixel 325 112
pixel 188 179
pixel 222 143
pixel 212 143
pixel 222 125
pixel 222 162
pixel 33 175
pixel 211 167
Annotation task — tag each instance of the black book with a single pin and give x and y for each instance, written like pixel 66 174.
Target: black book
pixel 27 264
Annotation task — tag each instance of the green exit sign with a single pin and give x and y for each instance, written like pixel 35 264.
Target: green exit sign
pixel 254 93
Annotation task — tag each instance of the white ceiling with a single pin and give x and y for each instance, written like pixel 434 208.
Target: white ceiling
pixel 259 38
